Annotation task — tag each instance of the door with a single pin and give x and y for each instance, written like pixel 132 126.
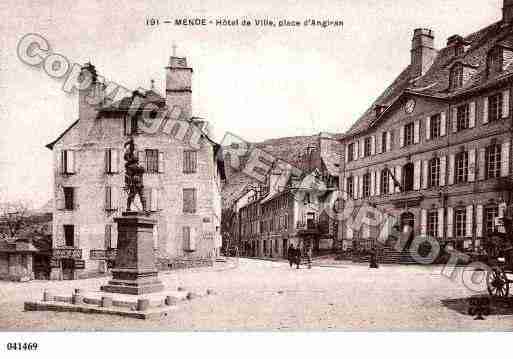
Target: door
pixel 68 269
pixel 407 227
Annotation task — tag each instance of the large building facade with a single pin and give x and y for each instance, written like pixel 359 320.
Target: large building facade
pixel 292 209
pixel 182 177
pixel 434 150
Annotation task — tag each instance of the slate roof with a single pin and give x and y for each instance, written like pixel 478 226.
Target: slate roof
pixel 435 83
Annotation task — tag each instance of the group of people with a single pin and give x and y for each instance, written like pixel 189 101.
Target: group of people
pixel 294 256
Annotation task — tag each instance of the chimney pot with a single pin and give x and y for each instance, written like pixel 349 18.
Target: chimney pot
pixel 423 51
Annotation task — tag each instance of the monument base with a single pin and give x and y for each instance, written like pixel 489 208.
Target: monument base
pixel 133 281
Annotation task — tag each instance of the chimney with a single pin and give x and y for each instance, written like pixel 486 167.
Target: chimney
pixel 89 100
pixel 423 52
pixel 178 86
pixel 507 11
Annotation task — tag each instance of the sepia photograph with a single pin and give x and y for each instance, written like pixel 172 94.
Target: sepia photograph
pixel 260 167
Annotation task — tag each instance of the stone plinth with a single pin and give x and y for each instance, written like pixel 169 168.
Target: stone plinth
pixel 135 272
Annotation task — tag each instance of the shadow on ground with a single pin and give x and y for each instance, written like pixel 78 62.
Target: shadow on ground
pixel 498 306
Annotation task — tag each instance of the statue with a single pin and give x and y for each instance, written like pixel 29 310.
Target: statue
pixel 133 176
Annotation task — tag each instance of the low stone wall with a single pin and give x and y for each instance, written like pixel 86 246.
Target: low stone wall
pixel 164 264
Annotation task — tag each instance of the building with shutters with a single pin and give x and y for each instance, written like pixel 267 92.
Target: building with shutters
pixel 182 181
pixel 442 129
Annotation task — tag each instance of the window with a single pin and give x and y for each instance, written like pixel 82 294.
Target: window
pixel 408 134
pixel 493 161
pixel 286 221
pixel 495 61
pixel 408 177
pixel 462 117
pixel 367 147
pixel 460 220
pixel 350 186
pixel 130 125
pixel 111 161
pixel 461 167
pixel 110 200
pixel 350 152
pixel 188 241
pixel 69 200
pixel 152 161
pixel 495 107
pixel 108 236
pixel 459 50
pixel 432 224
pixel 366 185
pixel 69 235
pixel 384 136
pixel 456 77
pixel 435 125
pixel 189 200
pixel 490 213
pixel 190 159
pixel 67 162
pixel 385 182
pixel 434 172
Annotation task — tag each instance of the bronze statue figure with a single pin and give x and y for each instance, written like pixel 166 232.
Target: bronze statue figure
pixel 133 176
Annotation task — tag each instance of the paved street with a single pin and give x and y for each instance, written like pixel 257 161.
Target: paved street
pixel 260 295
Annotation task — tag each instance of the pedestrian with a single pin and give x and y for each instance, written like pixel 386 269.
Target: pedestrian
pixel 298 257
pixel 291 254
pixel 309 256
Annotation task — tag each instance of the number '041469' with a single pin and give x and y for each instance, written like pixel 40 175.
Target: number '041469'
pixel 22 346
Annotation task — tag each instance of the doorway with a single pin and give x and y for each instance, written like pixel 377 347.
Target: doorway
pixel 408 177
pixel 68 270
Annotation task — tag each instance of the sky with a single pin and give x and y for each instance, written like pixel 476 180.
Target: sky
pixel 255 82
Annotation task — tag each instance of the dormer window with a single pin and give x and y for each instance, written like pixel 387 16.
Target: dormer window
pixel 459 50
pixel 495 61
pixel 456 77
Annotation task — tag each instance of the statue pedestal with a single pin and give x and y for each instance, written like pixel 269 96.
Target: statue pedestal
pixel 135 271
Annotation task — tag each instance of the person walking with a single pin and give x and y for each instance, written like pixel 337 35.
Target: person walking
pixel 291 254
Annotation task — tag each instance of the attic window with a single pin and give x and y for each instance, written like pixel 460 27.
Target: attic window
pixel 456 77
pixel 495 61
pixel 459 49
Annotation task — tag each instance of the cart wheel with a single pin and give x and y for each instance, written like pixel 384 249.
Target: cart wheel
pixel 497 283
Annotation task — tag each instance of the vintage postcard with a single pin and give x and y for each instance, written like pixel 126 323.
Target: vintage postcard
pixel 290 165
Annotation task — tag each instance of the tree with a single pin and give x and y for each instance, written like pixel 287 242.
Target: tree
pixel 14 218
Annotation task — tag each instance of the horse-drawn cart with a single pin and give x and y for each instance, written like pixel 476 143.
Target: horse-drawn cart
pixel 499 253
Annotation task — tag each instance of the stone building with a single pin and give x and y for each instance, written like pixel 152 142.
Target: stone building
pixel 290 208
pixel 182 180
pixel 434 150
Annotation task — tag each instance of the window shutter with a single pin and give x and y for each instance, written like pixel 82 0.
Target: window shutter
pixel 485 110
pixel 59 198
pixel 186 238
pixel 451 169
pixel 154 199
pixel 108 236
pixel 355 187
pixel 428 128
pixel 155 237
pixel 373 145
pixel 373 183
pixel 443 124
pixel 114 195
pixel 108 198
pixel 161 162
pixel 423 222
pixel 401 137
pixel 389 141
pixel 416 132
pixel 472 115
pixel 379 143
pixel 479 221
pixel 440 223
pixel 70 161
pixel 443 170
pixel 362 148
pixel 114 158
pixel 360 190
pixel 469 219
pixel 505 104
pixel 416 175
pixel 347 154
pixel 75 198
pixel 147 197
pixel 455 119
pixel 141 155
pixel 378 182
pixel 107 160
pixel 391 184
pixel 450 215
pixel 425 174
pixel 398 177
pixel 192 239
pixel 481 164
pixel 355 150
pixel 471 165
pixel 61 164
pixel 505 159
pixel 76 239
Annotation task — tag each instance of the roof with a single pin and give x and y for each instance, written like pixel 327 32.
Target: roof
pixel 50 145
pixel 435 83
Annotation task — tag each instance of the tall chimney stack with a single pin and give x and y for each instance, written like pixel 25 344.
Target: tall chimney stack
pixel 178 86
pixel 507 11
pixel 423 52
